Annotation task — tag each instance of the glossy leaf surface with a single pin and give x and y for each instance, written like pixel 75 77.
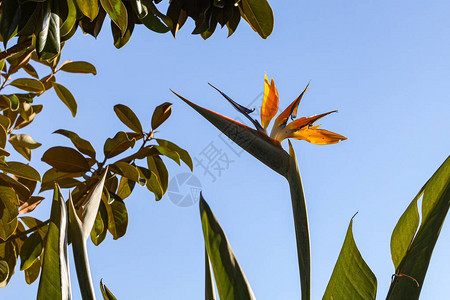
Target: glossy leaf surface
pixel 66 159
pixel 230 279
pixel 412 248
pixel 66 97
pixel 55 282
pixel 352 277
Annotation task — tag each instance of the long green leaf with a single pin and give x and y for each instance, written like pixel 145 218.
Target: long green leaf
pixel 413 263
pixel 230 279
pixel 80 254
pixel 352 277
pixel 106 293
pixel 300 224
pixel 210 293
pixel 55 280
pixel 91 204
pixel 254 142
pixel 80 229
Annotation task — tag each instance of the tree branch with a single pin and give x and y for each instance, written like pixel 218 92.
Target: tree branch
pixel 16 49
pixel 32 229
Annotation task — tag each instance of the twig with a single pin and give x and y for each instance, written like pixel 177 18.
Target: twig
pixel 32 229
pixel 15 49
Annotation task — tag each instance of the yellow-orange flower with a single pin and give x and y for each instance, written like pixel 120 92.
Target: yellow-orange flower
pixel 300 129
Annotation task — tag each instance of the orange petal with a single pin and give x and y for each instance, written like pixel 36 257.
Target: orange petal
pixel 317 136
pixel 270 103
pixel 299 123
pixel 291 110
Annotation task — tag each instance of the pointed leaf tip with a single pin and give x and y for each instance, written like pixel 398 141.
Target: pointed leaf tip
pixel 242 109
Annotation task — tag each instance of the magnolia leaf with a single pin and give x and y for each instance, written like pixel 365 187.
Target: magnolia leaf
pixel 3 152
pixel 161 114
pixel 151 182
pixel 230 279
pixel 4 273
pixel 128 117
pixel 23 140
pixel 94 27
pixel 100 228
pixel 8 252
pixel 31 71
pixel 64 179
pixel 183 154
pixel 125 188
pixel 89 8
pixel 157 167
pixel 258 15
pixel 55 280
pixel 352 277
pixel 106 293
pixel 14 102
pixel 126 170
pixel 415 246
pixel 48 40
pixel 117 216
pixel 30 250
pixel 29 85
pixel 66 97
pixel 9 20
pixel 8 216
pixel 69 22
pixel 163 150
pixel 66 159
pixel 81 144
pixel 20 190
pixel 5 102
pixel 120 39
pixel 117 11
pixel 32 273
pixel 118 144
pixel 21 170
pixel 154 23
pixel 78 67
pixel 24 151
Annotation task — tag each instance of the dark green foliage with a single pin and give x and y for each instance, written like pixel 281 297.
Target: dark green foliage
pixel 53 21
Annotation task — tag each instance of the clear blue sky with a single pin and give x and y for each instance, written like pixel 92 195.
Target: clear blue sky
pixel 384 65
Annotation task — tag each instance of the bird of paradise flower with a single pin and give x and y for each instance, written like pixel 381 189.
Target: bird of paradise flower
pixel 300 129
pixel 267 149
